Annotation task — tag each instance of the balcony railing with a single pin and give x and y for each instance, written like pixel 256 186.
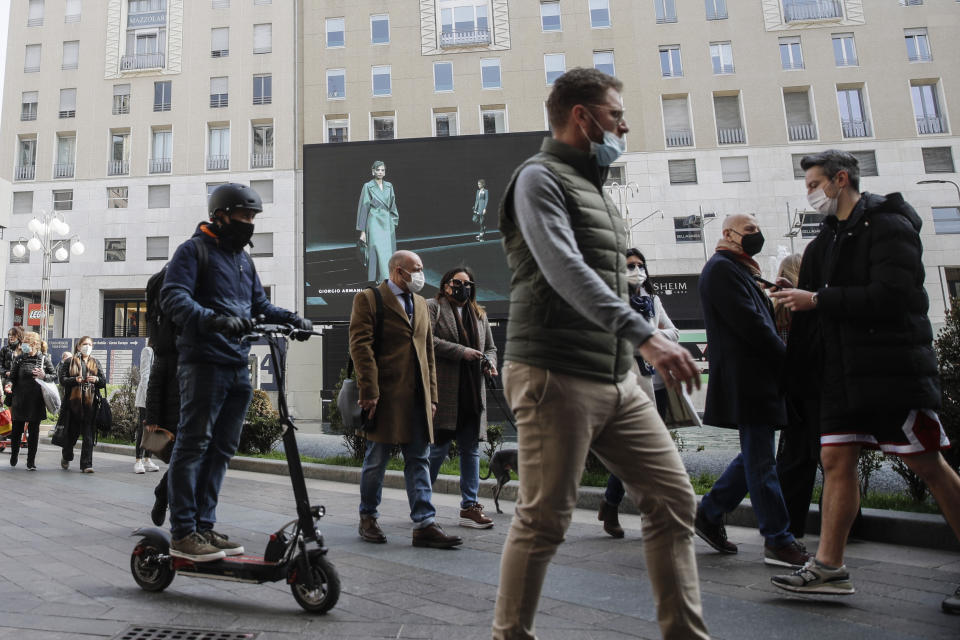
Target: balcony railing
pixel 218 163
pixel 855 128
pixel 261 160
pixel 812 10
pixel 28 112
pixel 118 168
pixel 462 38
pixel 262 99
pixel 67 113
pixel 25 172
pixel 160 165
pixel 121 104
pixel 31 68
pixel 679 138
pixel 802 132
pixel 733 135
pixel 722 69
pixel 142 61
pixel 73 17
pixel 34 22
pixel 63 170
pixel 219 53
pixel 920 57
pixel 931 124
pixel 218 100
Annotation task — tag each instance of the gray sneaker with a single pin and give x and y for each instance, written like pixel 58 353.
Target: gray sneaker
pixel 195 547
pixel 816 578
pixel 223 543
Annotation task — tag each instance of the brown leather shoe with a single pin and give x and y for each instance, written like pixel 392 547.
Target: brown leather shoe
pixel 434 537
pixel 370 531
pixel 610 516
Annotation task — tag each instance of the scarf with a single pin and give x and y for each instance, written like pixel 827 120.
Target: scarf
pixel 471 372
pixel 645 306
pixel 81 396
pixel 749 263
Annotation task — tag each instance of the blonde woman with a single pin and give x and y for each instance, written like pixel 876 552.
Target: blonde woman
pixel 28 409
pixel 80 383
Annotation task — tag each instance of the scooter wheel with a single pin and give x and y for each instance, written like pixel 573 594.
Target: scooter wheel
pixel 326 582
pixel 149 572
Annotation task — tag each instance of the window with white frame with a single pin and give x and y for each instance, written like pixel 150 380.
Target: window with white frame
pixel 264 189
pixel 212 186
pixel 262 245
pixel 603 61
pixel 554 66
pixel 464 22
pixel 918 45
pixel 28 105
pixel 119 163
pixel 490 73
pixel 493 119
pixel 263 38
pixel 800 124
pixel 63 200
pixel 946 220
pixel 716 9
pixel 381 80
pixel 162 91
pixel 158 196
pixel 682 171
pixel 599 14
pixel 443 76
pixel 31 58
pixel 853 113
pixel 121 99
pixel 791 55
pixel 938 160
pixel 550 16
pixel 71 55
pixel 380 29
pixel 926 107
pixel 676 121
pixel 146 37
pixel 158 247
pixel 670 64
pixel 338 129
pixel 118 197
pixel 66 155
pixel 219 92
pixel 335 32
pixel 161 150
pixel 726 109
pixel 336 84
pixel 114 249
pixel 26 156
pixel 219 42
pixel 262 154
pixel 35 13
pixel 262 88
pixel 22 202
pixel 383 126
pixel 72 11
pixel 721 56
pixel 735 169
pixel 867 161
pixel 666 10
pixel 445 123
pixel 68 103
pixel 844 50
pixel 218 147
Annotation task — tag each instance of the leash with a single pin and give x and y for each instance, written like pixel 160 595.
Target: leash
pixel 492 386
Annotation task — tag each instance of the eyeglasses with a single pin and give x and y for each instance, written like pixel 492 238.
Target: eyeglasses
pixel 617 114
pixel 455 282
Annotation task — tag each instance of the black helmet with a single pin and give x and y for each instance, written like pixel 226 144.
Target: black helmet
pixel 230 196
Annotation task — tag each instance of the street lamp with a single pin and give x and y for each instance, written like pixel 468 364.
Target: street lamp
pixel 623 191
pixel 45 229
pixel 955 185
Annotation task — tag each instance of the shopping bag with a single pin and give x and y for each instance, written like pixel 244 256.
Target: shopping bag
pixel 51 396
pixel 679 411
pixel 6 422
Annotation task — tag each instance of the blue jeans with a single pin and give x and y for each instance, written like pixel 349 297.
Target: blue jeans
pixel 753 470
pixel 468 443
pixel 213 402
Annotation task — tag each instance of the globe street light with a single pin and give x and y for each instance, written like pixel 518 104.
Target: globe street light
pixel 955 185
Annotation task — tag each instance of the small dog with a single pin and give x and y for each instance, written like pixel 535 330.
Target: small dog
pixel 501 464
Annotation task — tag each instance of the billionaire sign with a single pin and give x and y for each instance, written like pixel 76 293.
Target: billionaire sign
pixel 146 20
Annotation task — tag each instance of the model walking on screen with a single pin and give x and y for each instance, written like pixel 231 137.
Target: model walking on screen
pixel 377 218
pixel 480 207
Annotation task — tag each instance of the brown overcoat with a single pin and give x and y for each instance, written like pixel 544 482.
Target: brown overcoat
pixel 405 352
pixel 449 352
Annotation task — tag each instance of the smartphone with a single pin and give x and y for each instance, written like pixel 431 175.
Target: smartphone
pixel 767 284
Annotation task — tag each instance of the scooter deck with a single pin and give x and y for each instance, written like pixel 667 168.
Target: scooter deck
pixel 247 568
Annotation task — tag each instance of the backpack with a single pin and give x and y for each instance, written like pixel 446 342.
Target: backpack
pixel 161 328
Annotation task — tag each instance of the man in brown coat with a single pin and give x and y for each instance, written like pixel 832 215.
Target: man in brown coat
pixel 398 394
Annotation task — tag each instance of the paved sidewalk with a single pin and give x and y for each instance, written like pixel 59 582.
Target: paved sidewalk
pixel 64 572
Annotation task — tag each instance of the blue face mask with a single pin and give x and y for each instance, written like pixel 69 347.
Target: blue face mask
pixel 610 149
pixel 26 349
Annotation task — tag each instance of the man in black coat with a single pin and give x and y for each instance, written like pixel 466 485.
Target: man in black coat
pixel 860 309
pixel 746 358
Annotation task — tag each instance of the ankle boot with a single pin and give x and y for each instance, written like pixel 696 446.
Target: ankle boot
pixel 609 515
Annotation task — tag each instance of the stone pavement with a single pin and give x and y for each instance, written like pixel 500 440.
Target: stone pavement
pixel 64 572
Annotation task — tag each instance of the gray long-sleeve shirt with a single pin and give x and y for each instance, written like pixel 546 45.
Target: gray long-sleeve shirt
pixel 541 214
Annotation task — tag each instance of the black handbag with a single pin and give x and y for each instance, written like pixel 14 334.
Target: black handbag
pixel 104 417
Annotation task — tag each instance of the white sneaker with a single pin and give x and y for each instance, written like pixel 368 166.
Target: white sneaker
pixel 138 467
pixel 149 465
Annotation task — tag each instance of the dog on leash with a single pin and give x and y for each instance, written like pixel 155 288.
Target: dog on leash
pixel 501 464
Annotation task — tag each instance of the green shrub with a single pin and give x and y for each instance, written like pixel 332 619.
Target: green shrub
pixel 494 440
pixel 123 408
pixel 261 427
pixel 353 440
pixel 947 345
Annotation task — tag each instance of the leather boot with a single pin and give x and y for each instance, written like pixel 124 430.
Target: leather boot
pixel 370 531
pixel 434 537
pixel 610 517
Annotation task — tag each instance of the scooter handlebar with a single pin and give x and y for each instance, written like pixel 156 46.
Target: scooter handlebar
pixel 287 330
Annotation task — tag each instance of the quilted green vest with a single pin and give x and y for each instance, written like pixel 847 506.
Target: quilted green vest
pixel 544 331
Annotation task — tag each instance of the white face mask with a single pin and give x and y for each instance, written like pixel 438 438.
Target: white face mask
pixel 417 280
pixel 26 349
pixel 86 349
pixel 823 203
pixel 636 275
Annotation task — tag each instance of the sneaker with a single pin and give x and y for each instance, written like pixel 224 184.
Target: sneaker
pixel 473 517
pixel 793 555
pixel 87 470
pixel 714 535
pixel 149 465
pixel 64 464
pixel 138 467
pixel 815 577
pixel 951 604
pixel 195 547
pixel 31 466
pixel 223 543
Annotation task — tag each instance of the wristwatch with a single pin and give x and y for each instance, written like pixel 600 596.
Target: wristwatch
pixel 814 300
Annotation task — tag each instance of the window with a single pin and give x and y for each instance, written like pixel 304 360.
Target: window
pixel 218 148
pixel 726 109
pixel 161 152
pixel 615 175
pixel 220 42
pixel 264 189
pixel 381 80
pixel 868 163
pixel 716 9
pixel 336 84
pixel 676 121
pixel 935 160
pixel 946 220
pixel 800 124
pixel 220 4
pixel 791 57
pixel 161 95
pixel 263 2
pixel 844 50
pixel 338 129
pixel 853 113
pixel 68 103
pixel 721 55
pixel 71 55
pixel 555 65
pixel 262 245
pixel 335 31
pixel 682 171
pixel 31 59
pixel 490 73
pixel 666 10
pixel 550 16
pixel 158 248
pixel 603 61
pixel 262 155
pixel 263 38
pixel 28 105
pixel 219 94
pixel 121 99
pixel 910 3
pixel 600 14
pixel 63 200
pixel 811 10
pixel 735 169
pixel 55 246
pixel 798 172
pixel 146 37
pixel 494 119
pixel 114 249
pixel 35 13
pixel 263 88
pixel 443 76
pixel 918 45
pixel 117 197
pixel 72 12
pixel 445 123
pixel 26 158
pixel 670 65
pixel 384 126
pixel 158 196
pixel 926 108
pixel 379 29
pixel 119 163
pixel 66 156
pixel 687 229
pixel 463 22
pixel 211 186
pixel 22 201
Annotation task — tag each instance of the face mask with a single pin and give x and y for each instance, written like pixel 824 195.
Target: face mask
pixel 235 236
pixel 636 275
pixel 610 149
pixel 461 294
pixel 752 243
pixel 823 203
pixel 26 349
pixel 86 349
pixel 417 280
pixel 14 342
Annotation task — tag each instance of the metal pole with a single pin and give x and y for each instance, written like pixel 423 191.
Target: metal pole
pixel 790 229
pixel 45 280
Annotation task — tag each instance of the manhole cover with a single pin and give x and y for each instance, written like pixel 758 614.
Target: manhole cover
pixel 171 633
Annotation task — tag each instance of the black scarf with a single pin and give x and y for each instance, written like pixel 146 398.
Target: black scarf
pixel 471 373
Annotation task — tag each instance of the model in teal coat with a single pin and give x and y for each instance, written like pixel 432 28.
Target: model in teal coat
pixel 377 219
pixel 480 207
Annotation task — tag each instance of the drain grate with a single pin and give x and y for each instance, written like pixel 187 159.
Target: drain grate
pixel 171 633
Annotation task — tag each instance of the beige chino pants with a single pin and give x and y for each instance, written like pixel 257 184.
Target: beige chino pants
pixel 559 418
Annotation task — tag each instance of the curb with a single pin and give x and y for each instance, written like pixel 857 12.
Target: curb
pixel 902 528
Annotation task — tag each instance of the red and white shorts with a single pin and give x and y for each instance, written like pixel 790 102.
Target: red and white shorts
pixel 921 432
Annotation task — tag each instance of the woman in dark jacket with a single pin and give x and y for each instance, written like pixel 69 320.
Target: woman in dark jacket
pixel 83 378
pixel 9 352
pixel 28 408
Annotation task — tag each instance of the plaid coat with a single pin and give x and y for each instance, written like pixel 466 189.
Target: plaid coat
pixel 449 353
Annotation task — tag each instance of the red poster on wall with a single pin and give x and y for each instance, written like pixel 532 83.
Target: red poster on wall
pixel 34 315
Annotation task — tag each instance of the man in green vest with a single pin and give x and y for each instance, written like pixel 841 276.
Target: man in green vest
pixel 569 352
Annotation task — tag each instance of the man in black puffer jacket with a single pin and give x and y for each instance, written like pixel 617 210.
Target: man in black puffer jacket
pixel 860 328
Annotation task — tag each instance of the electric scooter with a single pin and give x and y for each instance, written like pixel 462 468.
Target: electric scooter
pixel 294 553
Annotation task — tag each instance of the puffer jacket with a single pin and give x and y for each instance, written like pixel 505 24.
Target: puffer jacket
pixel 27 396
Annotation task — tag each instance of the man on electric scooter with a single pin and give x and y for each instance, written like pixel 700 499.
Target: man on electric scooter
pixel 213 310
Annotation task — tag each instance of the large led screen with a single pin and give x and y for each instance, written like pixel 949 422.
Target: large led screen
pixel 430 201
